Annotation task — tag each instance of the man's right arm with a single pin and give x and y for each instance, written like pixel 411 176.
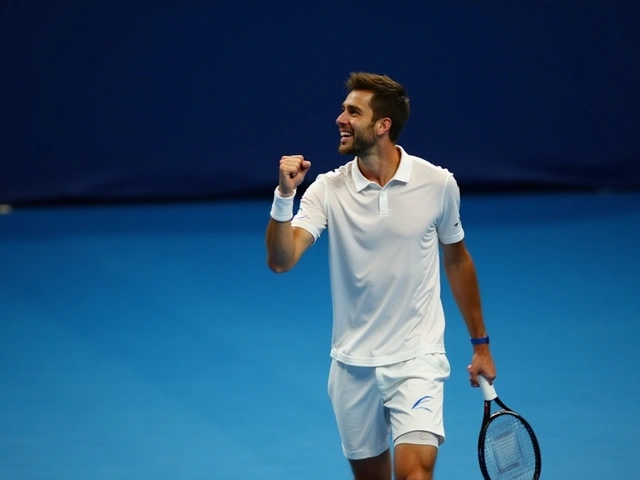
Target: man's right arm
pixel 285 245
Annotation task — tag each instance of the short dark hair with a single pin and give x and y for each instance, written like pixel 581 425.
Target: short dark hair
pixel 389 99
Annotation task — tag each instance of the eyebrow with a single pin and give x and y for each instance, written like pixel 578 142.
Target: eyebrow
pixel 348 106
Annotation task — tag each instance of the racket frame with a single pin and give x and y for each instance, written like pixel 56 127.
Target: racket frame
pixel 490 395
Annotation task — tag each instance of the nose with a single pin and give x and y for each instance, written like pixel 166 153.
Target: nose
pixel 340 120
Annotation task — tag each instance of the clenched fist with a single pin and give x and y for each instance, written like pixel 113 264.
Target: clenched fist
pixel 293 168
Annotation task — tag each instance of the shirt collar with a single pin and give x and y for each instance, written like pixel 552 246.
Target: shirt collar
pixel 403 173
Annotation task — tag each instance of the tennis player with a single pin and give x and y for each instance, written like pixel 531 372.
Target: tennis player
pixel 389 216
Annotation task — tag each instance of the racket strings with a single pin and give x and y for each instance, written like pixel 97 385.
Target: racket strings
pixel 508 449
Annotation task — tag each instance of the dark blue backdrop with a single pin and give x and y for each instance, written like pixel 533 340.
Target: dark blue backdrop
pixel 187 99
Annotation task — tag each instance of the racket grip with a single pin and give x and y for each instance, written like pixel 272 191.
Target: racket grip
pixel 488 391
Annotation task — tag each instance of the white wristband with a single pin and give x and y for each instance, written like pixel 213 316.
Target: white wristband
pixel 282 207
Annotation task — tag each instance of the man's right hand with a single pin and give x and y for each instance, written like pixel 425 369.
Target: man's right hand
pixel 293 168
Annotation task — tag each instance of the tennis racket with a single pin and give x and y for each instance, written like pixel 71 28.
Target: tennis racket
pixel 507 447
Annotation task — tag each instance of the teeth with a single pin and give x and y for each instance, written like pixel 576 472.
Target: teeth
pixel 345 134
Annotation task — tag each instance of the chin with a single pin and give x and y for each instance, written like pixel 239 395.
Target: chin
pixel 344 150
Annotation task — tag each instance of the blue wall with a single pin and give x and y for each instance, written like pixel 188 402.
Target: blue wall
pixel 189 99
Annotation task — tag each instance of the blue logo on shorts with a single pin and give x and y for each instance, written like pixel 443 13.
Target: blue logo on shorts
pixel 421 403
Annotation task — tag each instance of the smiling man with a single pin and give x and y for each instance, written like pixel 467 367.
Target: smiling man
pixel 389 216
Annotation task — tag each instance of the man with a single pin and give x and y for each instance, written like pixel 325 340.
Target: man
pixel 388 215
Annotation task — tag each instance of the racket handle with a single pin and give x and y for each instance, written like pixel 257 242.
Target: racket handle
pixel 488 391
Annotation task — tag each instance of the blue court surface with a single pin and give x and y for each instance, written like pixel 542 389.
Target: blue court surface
pixel 151 342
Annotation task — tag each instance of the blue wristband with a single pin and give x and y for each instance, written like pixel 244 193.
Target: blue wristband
pixel 479 341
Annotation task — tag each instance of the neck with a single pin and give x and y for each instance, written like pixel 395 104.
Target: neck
pixel 380 164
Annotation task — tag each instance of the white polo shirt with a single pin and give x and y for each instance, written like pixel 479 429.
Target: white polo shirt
pixel 384 257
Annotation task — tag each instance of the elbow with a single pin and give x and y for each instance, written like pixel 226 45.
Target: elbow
pixel 277 267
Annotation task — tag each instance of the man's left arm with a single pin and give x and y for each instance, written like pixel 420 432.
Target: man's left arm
pixel 461 274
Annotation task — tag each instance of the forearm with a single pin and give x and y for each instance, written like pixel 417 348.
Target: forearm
pixel 466 293
pixel 281 247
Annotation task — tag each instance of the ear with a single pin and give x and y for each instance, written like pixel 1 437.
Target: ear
pixel 383 125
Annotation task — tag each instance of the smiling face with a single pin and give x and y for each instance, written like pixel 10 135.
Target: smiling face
pixel 356 124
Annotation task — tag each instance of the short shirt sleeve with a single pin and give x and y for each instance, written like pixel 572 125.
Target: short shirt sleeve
pixel 449 226
pixel 312 214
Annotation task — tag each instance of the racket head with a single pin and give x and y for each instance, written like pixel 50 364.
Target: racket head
pixel 508 448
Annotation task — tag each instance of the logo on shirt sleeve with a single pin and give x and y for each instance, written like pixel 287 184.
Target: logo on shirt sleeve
pixel 301 215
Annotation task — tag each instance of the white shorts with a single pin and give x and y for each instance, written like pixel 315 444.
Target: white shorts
pixel 374 404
